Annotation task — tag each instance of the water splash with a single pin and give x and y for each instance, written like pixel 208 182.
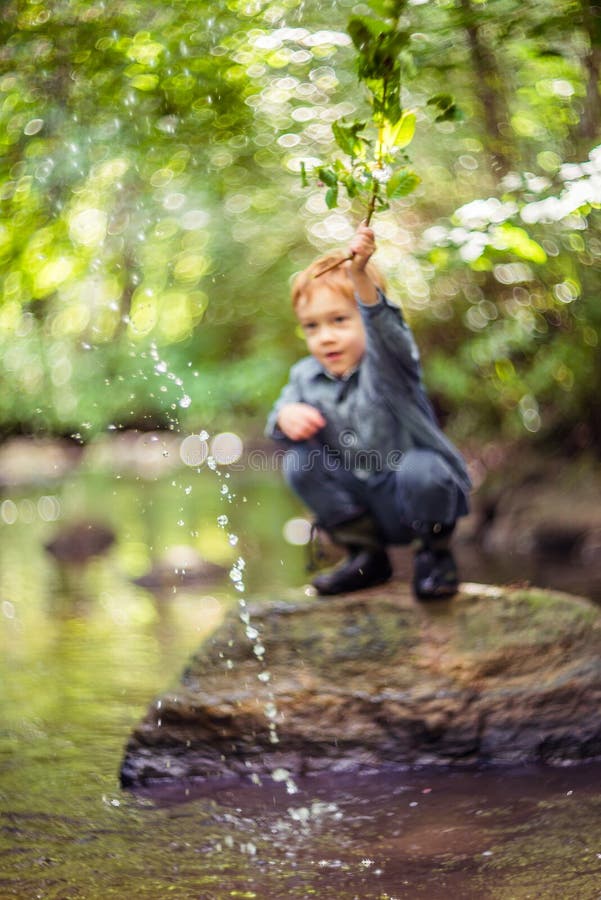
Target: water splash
pixel 252 633
pixel 237 570
pixel 161 368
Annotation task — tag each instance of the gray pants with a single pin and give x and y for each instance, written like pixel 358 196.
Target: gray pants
pixel 405 502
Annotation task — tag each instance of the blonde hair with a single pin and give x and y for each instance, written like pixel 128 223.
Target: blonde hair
pixel 319 274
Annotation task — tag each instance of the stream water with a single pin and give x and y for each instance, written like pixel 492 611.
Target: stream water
pixel 85 649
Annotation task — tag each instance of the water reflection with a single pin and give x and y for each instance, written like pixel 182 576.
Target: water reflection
pixel 421 834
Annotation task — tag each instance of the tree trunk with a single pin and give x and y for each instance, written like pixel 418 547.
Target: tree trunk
pixel 591 21
pixel 489 90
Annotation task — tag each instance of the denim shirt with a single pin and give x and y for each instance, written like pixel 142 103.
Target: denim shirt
pixel 379 410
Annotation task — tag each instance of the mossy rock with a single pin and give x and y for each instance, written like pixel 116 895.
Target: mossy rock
pixel 369 680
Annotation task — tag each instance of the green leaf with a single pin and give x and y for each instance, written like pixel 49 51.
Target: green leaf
pixel 452 114
pixel 394 42
pixel 347 137
pixel 401 183
pixel 327 176
pixel 379 46
pixel 406 130
pixel 392 108
pixel 386 98
pixel 399 135
pixel 448 110
pixel 364 30
pixel 352 186
pixel 442 101
pixel 332 197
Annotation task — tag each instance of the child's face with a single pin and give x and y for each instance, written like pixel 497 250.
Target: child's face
pixel 334 330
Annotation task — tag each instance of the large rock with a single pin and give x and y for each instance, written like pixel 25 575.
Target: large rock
pixel 370 680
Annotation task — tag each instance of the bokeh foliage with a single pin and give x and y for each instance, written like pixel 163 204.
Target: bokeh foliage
pixel 151 207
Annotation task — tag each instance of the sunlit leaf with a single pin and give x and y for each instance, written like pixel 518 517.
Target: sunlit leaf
pixel 401 183
pixel 347 137
pixel 401 134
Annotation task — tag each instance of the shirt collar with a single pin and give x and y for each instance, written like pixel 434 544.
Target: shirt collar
pixel 322 371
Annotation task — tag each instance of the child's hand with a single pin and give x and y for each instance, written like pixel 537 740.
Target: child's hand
pixel 362 246
pixel 300 421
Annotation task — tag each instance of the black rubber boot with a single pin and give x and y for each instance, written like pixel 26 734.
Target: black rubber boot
pixel 435 573
pixel 362 569
pixel 367 564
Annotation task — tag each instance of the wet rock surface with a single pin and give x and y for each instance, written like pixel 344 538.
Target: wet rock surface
pixel 370 680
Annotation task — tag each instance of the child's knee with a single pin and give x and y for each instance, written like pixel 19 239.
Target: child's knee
pixel 426 482
pixel 298 466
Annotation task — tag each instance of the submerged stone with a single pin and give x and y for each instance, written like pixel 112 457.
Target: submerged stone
pixel 370 680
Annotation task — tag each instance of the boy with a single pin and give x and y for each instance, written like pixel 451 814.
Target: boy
pixel 364 451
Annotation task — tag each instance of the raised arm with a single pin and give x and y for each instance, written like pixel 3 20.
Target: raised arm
pixel 391 347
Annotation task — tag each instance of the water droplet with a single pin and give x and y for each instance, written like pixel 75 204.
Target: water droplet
pixel 185 401
pixel 222 521
pixel 204 435
pixel 233 539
